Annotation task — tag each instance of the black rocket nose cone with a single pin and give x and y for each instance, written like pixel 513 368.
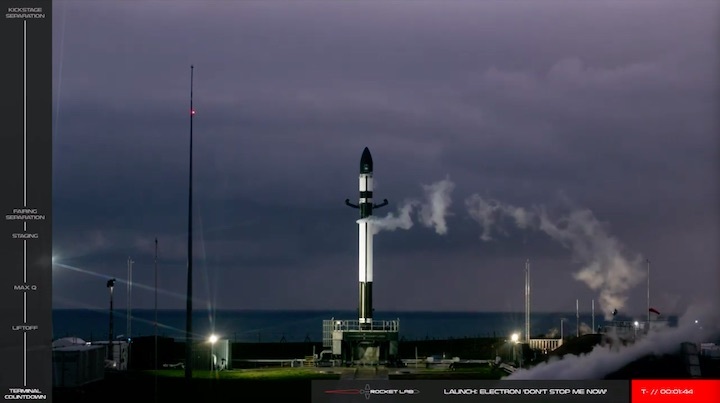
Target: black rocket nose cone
pixel 366 163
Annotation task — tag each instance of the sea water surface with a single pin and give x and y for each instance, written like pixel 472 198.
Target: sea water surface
pixel 298 326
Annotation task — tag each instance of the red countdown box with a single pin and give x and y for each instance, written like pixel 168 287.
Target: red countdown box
pixel 675 391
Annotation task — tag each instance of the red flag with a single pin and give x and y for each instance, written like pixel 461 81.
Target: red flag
pixel 653 310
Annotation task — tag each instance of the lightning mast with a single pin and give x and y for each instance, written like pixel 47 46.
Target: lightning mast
pixel 188 313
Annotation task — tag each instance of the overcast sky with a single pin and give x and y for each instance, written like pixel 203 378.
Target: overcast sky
pixel 580 135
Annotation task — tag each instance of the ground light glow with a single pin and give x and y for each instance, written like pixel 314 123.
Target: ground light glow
pixel 57 265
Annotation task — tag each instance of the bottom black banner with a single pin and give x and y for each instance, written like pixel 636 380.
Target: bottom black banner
pixel 435 391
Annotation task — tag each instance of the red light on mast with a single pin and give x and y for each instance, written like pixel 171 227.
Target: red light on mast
pixel 192 112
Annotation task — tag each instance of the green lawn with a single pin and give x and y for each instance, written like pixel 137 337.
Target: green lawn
pixel 271 384
pixel 278 374
pixel 460 373
pixel 271 374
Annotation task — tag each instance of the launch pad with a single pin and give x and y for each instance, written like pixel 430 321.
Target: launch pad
pixel 353 342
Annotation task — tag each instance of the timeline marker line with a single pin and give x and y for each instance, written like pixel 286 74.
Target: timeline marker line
pixel 24 358
pixel 25 196
pixel 24 113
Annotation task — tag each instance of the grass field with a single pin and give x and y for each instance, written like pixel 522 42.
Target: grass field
pixel 276 384
pixel 271 374
pixel 464 373
pixel 206 386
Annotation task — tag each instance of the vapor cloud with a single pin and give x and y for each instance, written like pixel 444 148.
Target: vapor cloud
pixel 606 266
pixel 431 212
pixel 602 360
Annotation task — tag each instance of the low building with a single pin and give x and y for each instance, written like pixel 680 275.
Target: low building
pixel 77 362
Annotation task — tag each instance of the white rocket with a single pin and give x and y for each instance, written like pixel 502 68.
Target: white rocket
pixel 365 238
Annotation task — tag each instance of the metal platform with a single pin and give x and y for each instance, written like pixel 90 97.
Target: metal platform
pixel 369 343
pixel 333 325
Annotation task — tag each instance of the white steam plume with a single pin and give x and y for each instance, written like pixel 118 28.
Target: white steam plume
pixel 488 212
pixel 392 221
pixel 433 210
pixel 603 360
pixel 433 213
pixel 605 268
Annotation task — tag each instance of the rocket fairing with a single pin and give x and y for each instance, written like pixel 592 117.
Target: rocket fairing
pixel 365 238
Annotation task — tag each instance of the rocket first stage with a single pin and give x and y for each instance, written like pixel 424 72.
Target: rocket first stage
pixel 365 239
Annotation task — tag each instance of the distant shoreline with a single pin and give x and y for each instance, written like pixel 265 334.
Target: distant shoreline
pixel 569 314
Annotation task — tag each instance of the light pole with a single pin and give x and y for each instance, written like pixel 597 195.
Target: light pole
pixel 648 290
pixel 213 338
pixel 110 286
pixel 129 297
pixel 527 300
pixel 129 309
pixel 155 350
pixel 514 338
pixel 577 318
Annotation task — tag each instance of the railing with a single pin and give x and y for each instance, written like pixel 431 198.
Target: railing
pixel 545 344
pixel 625 329
pixel 331 325
pixel 383 325
pixel 289 362
pixel 327 333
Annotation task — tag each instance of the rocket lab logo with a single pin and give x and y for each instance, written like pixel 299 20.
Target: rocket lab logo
pixel 367 392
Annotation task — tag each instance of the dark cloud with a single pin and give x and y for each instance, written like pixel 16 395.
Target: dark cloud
pixel 609 107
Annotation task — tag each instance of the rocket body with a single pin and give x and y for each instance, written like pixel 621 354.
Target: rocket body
pixel 365 239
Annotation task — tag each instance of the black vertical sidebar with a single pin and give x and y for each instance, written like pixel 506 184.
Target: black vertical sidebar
pixel 26 200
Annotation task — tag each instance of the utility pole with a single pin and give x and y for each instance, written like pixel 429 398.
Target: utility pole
pixel 110 286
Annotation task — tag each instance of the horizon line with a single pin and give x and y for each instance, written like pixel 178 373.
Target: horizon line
pixel 319 310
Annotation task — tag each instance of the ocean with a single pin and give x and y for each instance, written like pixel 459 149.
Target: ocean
pixel 298 326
